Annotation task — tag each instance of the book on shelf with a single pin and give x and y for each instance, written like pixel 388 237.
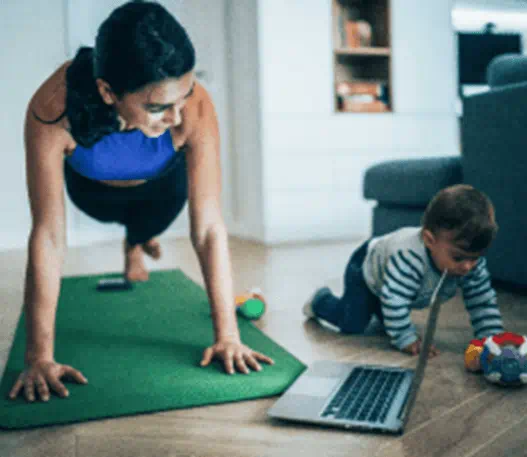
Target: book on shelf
pixel 345 88
pixel 363 96
pixel 375 106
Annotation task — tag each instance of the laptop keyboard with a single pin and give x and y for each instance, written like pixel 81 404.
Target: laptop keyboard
pixel 366 395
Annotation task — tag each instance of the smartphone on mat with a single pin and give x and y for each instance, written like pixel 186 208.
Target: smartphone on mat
pixel 107 284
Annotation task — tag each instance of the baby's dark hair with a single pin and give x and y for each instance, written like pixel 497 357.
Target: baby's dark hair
pixel 138 44
pixel 467 212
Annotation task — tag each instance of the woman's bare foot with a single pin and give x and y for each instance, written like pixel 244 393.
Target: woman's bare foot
pixel 134 266
pixel 152 248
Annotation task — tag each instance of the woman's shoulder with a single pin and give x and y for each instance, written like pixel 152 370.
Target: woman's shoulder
pixel 205 119
pixel 202 101
pixel 199 118
pixel 49 100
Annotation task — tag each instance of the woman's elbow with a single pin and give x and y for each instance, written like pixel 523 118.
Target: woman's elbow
pixel 42 237
pixel 209 235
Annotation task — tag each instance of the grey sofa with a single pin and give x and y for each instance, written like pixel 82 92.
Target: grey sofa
pixel 493 159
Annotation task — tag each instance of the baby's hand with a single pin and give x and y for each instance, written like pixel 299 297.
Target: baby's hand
pixel 415 348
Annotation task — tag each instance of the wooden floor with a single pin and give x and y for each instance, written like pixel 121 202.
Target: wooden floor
pixel 457 414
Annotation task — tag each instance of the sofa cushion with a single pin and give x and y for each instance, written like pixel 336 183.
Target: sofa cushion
pixel 411 182
pixel 507 69
pixel 388 218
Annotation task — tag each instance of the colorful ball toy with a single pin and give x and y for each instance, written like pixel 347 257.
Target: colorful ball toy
pixel 501 357
pixel 251 305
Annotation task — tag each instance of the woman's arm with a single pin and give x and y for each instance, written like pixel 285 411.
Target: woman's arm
pixel 44 162
pixel 45 146
pixel 210 238
pixel 208 232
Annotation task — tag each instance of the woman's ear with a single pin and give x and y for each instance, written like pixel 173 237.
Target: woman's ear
pixel 428 238
pixel 105 91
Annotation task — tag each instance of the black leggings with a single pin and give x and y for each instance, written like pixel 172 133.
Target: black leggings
pixel 145 210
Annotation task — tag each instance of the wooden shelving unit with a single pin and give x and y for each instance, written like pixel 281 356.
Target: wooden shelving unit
pixel 362 56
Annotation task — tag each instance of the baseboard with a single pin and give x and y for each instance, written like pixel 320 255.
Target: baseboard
pixel 89 237
pixel 245 232
pixel 13 241
pixel 279 235
pixel 270 236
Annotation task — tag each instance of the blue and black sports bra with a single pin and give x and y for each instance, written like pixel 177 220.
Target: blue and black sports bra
pixel 125 156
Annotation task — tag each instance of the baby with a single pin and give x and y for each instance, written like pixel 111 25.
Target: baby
pixel 391 274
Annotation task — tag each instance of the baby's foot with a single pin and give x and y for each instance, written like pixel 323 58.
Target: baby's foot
pixel 134 267
pixel 308 308
pixel 152 248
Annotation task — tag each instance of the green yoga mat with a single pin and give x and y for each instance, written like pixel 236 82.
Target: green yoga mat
pixel 140 350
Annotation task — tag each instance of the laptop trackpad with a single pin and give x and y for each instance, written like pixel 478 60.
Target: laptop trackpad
pixel 315 386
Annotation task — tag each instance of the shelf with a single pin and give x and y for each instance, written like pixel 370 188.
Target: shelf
pixel 362 56
pixel 373 52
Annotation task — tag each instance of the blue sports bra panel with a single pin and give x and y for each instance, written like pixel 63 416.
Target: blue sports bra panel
pixel 124 156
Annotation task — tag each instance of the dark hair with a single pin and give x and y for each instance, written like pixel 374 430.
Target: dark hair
pixel 138 44
pixel 466 211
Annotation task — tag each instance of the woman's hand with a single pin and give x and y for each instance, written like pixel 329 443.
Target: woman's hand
pixel 234 353
pixel 43 374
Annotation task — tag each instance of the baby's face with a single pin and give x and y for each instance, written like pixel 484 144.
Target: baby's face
pixel 447 255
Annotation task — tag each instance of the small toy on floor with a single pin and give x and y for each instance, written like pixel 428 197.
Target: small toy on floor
pixel 502 358
pixel 251 305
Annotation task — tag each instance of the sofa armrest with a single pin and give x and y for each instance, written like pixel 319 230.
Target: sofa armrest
pixel 411 182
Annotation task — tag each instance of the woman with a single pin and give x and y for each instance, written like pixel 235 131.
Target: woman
pixel 131 133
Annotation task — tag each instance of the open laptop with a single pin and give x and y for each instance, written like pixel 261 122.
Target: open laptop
pixel 358 396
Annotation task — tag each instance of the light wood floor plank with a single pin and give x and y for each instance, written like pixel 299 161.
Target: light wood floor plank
pixel 511 442
pixel 465 427
pixel 45 442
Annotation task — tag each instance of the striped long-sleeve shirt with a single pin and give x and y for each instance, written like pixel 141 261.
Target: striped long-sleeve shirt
pixel 400 271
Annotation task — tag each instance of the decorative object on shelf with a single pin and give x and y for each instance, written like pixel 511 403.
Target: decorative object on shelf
pixel 358 34
pixel 251 305
pixel 502 358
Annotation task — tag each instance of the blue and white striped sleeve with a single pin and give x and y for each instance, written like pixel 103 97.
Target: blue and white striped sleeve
pixel 480 301
pixel 403 276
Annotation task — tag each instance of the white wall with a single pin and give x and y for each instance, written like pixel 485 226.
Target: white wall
pixel 492 6
pixel 314 159
pixel 32 37
pixel 243 64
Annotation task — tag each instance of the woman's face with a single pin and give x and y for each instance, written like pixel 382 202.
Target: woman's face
pixel 157 107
